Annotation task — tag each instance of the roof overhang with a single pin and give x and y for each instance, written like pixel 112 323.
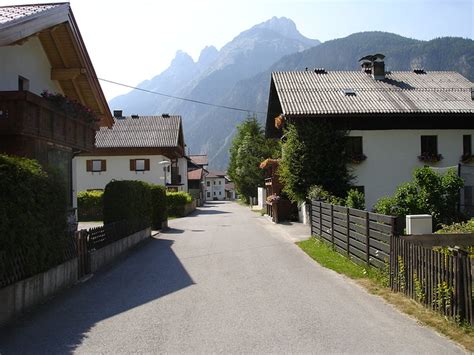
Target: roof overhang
pixel 71 66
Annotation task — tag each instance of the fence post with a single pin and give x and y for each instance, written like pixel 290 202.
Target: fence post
pixel 320 219
pixel 367 232
pixel 311 217
pixel 332 225
pixel 348 229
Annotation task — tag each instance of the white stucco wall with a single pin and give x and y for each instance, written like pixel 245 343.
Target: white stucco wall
pixel 29 61
pixel 118 168
pixel 393 154
pixel 216 190
pixel 183 171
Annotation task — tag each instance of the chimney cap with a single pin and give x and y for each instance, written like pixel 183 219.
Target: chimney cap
pixel 378 57
pixel 135 116
pixel 165 115
pixel 118 113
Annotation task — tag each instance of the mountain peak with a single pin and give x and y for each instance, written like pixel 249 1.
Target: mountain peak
pixel 182 58
pixel 208 55
pixel 282 25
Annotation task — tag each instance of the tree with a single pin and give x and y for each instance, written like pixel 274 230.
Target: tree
pixel 249 148
pixel 314 154
pixel 429 192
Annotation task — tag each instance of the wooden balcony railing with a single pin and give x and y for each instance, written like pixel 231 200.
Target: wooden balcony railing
pixel 23 113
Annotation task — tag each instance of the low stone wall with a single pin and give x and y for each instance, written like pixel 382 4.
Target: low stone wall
pixel 190 207
pixel 105 255
pixel 16 298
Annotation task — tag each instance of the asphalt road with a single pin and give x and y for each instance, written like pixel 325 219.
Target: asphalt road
pixel 223 280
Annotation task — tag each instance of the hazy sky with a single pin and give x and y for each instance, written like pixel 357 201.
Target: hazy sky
pixel 130 41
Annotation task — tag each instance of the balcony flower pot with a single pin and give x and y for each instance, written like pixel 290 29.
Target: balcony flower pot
pixel 430 158
pixel 358 158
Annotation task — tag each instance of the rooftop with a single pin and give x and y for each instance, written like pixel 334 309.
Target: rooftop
pixel 199 159
pixel 141 132
pixel 345 92
pixel 9 14
pixel 216 174
pixel 195 174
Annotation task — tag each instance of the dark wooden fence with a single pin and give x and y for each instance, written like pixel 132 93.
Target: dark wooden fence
pixel 441 280
pixel 361 235
pixel 102 236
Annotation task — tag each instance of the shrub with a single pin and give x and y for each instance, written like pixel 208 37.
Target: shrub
pixel 176 202
pixel 33 207
pixel 429 192
pixel 355 199
pixel 127 200
pixel 158 206
pixel 90 205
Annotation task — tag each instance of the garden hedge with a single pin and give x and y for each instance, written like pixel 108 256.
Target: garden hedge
pixel 90 205
pixel 176 202
pixel 158 206
pixel 33 205
pixel 127 200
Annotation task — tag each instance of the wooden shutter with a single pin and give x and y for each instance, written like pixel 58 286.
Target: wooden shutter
pixel 147 164
pixel 133 165
pixel 103 165
pixel 88 165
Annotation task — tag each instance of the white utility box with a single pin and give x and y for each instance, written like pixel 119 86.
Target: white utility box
pixel 419 224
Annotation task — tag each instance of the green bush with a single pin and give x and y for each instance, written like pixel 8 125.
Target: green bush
pixel 461 227
pixel 127 200
pixel 176 202
pixel 355 199
pixel 159 206
pixel 32 213
pixel 90 205
pixel 429 192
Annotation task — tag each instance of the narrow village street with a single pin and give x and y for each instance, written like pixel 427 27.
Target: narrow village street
pixel 224 279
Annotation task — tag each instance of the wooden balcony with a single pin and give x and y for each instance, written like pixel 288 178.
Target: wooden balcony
pixel 25 114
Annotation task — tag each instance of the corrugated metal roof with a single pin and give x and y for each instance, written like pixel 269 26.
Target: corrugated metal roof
pixel 142 132
pixel 12 13
pixel 309 93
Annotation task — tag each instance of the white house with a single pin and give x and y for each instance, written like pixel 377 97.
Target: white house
pixel 145 148
pixel 215 185
pixel 397 121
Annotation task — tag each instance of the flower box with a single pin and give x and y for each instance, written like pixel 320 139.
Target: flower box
pixel 430 158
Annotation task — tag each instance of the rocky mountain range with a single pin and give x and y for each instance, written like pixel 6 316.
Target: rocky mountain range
pixel 238 75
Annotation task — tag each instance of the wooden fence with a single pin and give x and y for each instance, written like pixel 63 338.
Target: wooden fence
pixel 441 280
pixel 361 235
pixel 104 235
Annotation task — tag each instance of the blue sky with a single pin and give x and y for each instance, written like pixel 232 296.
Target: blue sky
pixel 134 40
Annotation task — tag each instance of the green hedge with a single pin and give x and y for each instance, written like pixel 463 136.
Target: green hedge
pixel 127 200
pixel 32 213
pixel 158 206
pixel 90 205
pixel 176 202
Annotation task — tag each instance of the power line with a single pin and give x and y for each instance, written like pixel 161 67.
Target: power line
pixel 182 98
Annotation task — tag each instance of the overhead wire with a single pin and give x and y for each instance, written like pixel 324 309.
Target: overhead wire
pixel 183 98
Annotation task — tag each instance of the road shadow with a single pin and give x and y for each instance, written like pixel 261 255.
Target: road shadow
pixel 150 271
pixel 199 212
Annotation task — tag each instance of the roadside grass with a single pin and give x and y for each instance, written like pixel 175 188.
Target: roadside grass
pixel 376 282
pixel 242 202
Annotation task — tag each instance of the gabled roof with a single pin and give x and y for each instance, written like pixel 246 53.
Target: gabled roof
pixel 199 159
pixel 142 132
pixel 216 174
pixel 195 174
pixel 306 93
pixel 57 30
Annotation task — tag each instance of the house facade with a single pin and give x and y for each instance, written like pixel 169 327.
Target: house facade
pixel 215 186
pixel 197 172
pixel 396 121
pixel 51 103
pixel 144 148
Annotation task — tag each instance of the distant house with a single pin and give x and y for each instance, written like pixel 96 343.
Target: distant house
pixel 41 49
pixel 146 148
pixel 397 121
pixel 197 173
pixel 199 160
pixel 215 185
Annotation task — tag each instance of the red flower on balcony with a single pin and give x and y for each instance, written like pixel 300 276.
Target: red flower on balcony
pixel 71 107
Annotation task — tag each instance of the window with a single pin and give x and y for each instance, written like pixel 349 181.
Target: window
pixel 208 194
pixel 354 149
pixel 208 183
pixel 429 145
pixel 220 182
pixel 466 145
pixel 139 164
pixel 220 193
pixel 214 182
pixel 96 165
pixel 214 193
pixel 23 84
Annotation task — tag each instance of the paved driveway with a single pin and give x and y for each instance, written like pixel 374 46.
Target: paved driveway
pixel 222 280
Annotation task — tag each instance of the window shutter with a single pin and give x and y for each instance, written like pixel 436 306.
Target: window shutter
pixel 88 165
pixel 147 164
pixel 103 165
pixel 132 165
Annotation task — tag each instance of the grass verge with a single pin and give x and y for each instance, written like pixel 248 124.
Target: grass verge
pixel 376 281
